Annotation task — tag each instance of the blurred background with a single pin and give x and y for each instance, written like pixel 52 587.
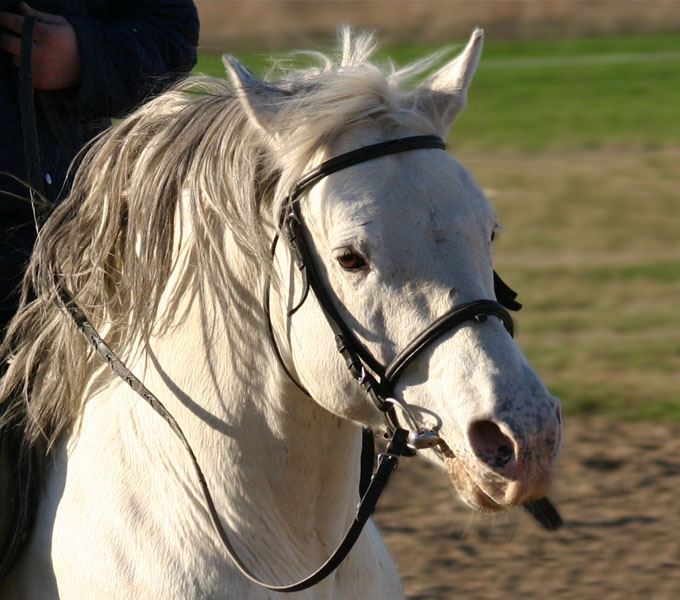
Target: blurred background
pixel 573 131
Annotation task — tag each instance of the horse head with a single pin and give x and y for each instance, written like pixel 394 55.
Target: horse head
pixel 397 241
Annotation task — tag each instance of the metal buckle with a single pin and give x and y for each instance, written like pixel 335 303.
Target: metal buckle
pixel 418 437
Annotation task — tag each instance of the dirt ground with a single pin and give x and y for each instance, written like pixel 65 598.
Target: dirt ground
pixel 617 490
pixel 261 25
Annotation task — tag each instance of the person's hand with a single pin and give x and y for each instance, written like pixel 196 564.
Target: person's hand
pixel 56 58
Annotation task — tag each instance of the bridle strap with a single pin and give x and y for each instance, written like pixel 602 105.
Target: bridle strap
pixel 377 380
pixel 477 310
pixel 505 294
pixel 29 127
pixel 362 365
pixel 357 358
pixel 362 155
pixel 266 300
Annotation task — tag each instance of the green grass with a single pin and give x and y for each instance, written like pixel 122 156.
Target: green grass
pixel 607 99
pixel 574 106
pixel 577 144
pixel 591 241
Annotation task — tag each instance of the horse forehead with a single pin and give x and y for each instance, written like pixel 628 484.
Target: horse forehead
pixel 427 188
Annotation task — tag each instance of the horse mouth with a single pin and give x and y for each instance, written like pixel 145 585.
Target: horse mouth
pixel 468 489
pixel 486 491
pixel 481 500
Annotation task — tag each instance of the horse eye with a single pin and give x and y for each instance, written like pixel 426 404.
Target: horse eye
pixel 351 261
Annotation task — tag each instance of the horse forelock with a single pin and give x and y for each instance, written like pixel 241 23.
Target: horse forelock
pixel 111 241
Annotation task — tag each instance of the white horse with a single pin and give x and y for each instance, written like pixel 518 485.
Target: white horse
pixel 164 242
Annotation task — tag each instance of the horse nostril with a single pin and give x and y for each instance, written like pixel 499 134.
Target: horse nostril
pixel 490 444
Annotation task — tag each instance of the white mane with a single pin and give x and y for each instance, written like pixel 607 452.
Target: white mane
pixel 110 241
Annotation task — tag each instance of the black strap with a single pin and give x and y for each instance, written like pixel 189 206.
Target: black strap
pixel 505 294
pixel 545 513
pixel 478 309
pixel 272 339
pixel 387 463
pixel 21 466
pixel 367 459
pixel 29 123
pixel 376 380
pixel 361 155
pixel 360 362
pixel 357 357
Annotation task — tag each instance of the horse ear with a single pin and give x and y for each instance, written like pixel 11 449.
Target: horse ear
pixel 260 100
pixel 443 95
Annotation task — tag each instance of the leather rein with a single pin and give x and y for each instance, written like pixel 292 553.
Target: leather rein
pixel 377 380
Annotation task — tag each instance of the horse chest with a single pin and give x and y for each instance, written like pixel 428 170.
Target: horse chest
pixel 136 534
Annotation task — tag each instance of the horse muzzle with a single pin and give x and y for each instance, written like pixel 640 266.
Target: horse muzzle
pixel 499 468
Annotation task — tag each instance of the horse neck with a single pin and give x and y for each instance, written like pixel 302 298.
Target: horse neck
pixel 283 471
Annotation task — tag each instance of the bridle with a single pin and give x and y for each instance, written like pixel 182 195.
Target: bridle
pixel 377 380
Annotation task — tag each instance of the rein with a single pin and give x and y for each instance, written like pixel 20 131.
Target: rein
pixel 387 462
pixel 377 380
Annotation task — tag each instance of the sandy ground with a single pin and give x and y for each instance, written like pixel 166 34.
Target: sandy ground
pixel 617 490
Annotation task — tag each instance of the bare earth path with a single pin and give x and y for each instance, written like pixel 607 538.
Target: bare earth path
pixel 617 490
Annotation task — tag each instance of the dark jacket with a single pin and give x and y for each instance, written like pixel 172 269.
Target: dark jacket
pixel 129 49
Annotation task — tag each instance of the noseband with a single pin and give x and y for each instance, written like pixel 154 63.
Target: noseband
pixel 378 380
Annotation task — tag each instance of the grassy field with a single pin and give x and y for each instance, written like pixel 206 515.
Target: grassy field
pixel 527 96
pixel 592 243
pixel 577 144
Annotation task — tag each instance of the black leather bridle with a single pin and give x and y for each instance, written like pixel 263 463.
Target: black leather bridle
pixel 378 381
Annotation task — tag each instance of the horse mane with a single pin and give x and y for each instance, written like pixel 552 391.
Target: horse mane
pixel 111 241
